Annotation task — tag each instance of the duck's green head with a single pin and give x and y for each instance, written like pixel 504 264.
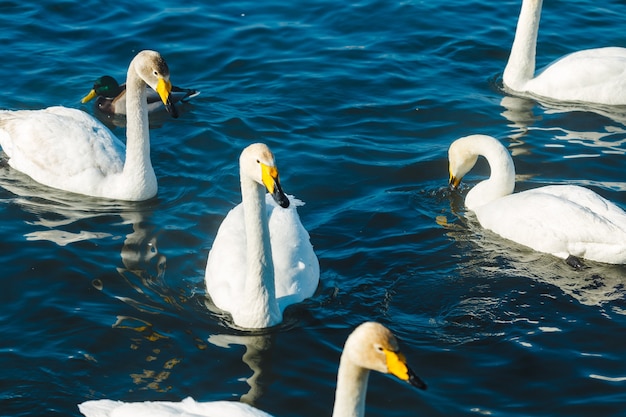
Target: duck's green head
pixel 105 86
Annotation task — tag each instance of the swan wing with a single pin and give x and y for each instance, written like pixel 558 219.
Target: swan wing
pixel 186 408
pixel 561 220
pixel 296 267
pixel 226 265
pixel 593 75
pixel 57 145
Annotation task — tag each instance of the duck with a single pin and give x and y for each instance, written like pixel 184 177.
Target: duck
pixel 262 259
pixel 370 347
pixel 111 96
pixel 594 76
pixel 567 221
pixel 68 149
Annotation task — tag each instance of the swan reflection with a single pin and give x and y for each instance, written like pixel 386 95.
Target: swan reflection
pixel 610 139
pixel 257 356
pixel 56 215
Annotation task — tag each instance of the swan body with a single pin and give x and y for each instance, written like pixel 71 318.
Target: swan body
pixel 68 149
pixel 371 346
pixel 262 260
pixel 563 220
pixel 595 76
pixel 111 97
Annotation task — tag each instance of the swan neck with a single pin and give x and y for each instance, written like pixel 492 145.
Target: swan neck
pixel 501 182
pixel 138 167
pixel 351 389
pixel 259 287
pixel 521 65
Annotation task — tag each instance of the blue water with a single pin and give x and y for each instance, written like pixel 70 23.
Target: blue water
pixel 359 102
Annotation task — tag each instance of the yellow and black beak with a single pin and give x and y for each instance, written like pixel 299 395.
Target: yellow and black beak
pixel 164 88
pixel 396 364
pixel 454 181
pixel 89 96
pixel 269 175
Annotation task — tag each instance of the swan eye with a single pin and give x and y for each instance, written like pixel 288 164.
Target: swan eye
pixel 156 73
pixel 379 348
pixel 258 162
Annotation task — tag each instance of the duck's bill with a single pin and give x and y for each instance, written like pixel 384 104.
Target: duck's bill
pixel 164 89
pixel 89 96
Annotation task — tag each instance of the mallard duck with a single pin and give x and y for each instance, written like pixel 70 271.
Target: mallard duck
pixel 111 97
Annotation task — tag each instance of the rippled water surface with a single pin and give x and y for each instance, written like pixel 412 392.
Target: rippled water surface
pixel 359 102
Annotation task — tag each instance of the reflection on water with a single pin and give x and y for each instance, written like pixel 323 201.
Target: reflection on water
pixel 56 213
pixel 144 265
pixel 65 219
pixel 612 139
pixel 519 111
pixel 257 356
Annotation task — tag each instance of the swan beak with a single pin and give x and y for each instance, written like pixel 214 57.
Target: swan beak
pixel 396 364
pixel 269 175
pixel 454 182
pixel 164 87
pixel 89 96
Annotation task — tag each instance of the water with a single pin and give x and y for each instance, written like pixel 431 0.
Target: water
pixel 359 102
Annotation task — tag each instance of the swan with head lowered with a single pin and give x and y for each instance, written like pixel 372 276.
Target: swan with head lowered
pixel 70 150
pixel 564 220
pixel 595 76
pixel 262 259
pixel 371 346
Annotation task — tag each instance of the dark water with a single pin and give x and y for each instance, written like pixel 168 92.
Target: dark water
pixel 359 102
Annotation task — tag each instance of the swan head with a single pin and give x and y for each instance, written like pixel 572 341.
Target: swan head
pixel 372 346
pixel 153 70
pixel 257 163
pixel 462 156
pixel 461 159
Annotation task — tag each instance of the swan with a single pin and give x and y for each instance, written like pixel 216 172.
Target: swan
pixel 371 346
pixel 111 97
pixel 563 220
pixel 68 149
pixel 262 260
pixel 595 76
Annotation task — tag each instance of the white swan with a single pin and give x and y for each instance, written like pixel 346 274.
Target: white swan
pixel 371 346
pixel 262 260
pixel 70 150
pixel 593 76
pixel 564 220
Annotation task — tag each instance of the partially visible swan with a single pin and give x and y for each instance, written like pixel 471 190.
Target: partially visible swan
pixel 70 150
pixel 111 97
pixel 564 220
pixel 262 260
pixel 591 76
pixel 371 346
